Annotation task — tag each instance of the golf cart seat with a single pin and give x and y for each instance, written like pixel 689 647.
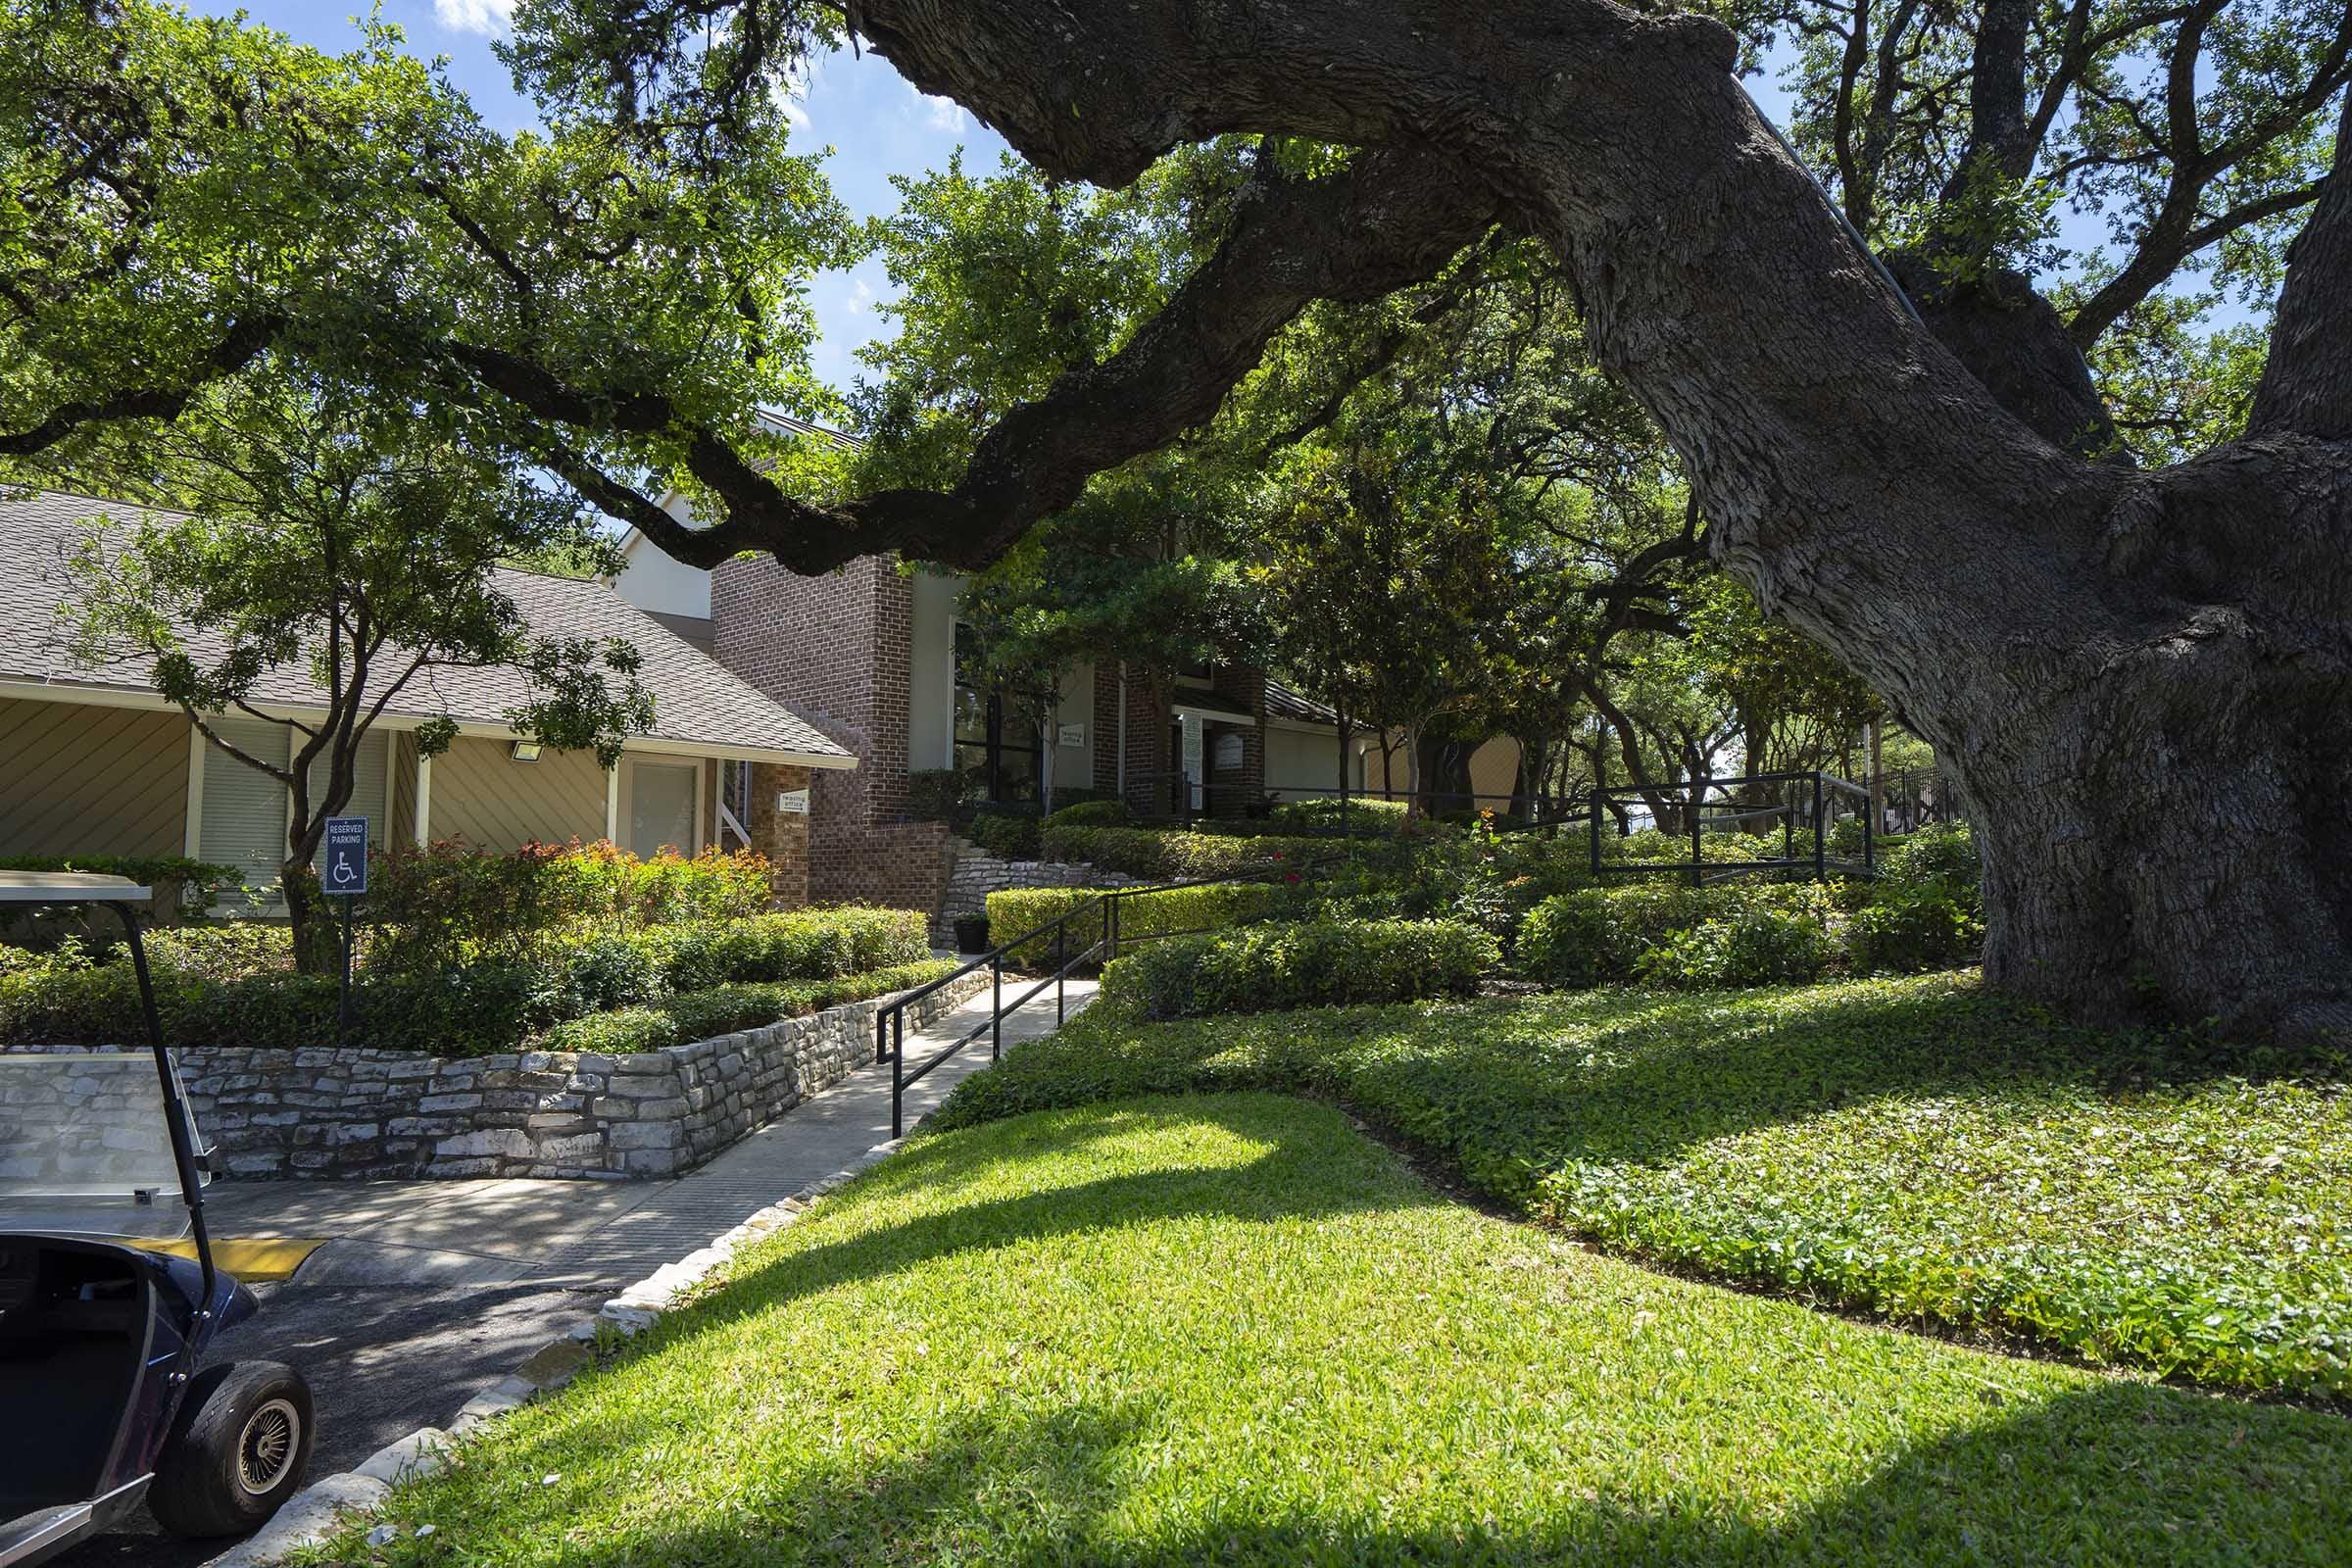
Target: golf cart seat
pixel 73 1333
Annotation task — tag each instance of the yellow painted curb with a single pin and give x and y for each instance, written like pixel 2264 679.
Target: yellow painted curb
pixel 255 1261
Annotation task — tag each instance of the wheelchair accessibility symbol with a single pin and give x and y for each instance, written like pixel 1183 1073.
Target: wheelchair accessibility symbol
pixel 346 868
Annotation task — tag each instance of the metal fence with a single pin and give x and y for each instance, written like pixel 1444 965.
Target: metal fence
pixel 1103 943
pixel 1751 804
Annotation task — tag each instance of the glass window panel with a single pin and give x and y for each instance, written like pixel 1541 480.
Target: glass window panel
pixel 660 807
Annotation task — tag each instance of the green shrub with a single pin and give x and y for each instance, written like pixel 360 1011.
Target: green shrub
pixel 1753 948
pixel 1090 814
pixel 724 1010
pixel 224 952
pixel 1005 834
pixel 447 903
pixel 1599 936
pixel 605 971
pixel 1279 966
pixel 794 944
pixel 1164 855
pixel 1016 911
pixel 1911 927
pixel 1947 853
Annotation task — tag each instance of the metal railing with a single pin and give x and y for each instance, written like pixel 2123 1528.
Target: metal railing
pixel 1814 798
pixel 1178 797
pixel 890 1023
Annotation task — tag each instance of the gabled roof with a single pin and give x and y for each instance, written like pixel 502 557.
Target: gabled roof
pixel 698 702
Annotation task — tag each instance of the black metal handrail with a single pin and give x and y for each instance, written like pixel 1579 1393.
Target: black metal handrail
pixel 890 1023
pixel 1820 864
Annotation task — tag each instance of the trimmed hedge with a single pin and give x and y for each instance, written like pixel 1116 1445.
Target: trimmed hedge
pixel 1005 835
pixel 799 945
pixel 1314 963
pixel 1091 814
pixel 1018 910
pixel 1324 811
pixel 723 1009
pixel 1157 854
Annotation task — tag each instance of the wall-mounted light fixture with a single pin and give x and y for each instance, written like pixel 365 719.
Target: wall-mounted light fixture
pixel 526 752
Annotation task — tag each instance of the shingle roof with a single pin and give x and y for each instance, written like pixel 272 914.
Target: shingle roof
pixel 697 700
pixel 1284 703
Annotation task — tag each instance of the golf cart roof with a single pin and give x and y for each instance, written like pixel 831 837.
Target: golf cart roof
pixel 70 887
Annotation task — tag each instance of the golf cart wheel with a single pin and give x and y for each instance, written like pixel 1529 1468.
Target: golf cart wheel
pixel 236 1451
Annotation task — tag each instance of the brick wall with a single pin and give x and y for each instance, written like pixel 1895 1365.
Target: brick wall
pixel 836 650
pixel 1246 691
pixel 781 836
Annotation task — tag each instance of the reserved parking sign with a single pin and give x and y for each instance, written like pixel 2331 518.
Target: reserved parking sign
pixel 346 868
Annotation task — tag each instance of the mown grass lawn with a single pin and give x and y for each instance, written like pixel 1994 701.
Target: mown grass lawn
pixel 1915 1148
pixel 1232 1329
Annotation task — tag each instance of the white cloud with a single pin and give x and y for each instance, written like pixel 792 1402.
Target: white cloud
pixel 862 294
pixel 475 15
pixel 791 96
pixel 940 113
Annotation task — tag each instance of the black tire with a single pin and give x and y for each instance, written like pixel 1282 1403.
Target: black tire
pixel 236 1451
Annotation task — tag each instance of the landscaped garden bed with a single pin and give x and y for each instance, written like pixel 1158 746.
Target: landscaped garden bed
pixel 1917 1148
pixel 560 1011
pixel 1234 1330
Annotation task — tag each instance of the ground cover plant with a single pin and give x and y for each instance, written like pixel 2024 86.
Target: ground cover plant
pixel 1234 1330
pixel 1916 1148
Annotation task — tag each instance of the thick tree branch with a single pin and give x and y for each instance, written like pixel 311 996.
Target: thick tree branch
pixel 2307 385
pixel 1390 220
pixel 159 400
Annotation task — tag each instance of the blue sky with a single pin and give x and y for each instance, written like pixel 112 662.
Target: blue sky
pixel 873 119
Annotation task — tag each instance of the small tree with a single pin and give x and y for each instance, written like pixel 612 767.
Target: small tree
pixel 310 528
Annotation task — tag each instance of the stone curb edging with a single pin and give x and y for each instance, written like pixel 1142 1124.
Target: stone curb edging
pixel 314 1514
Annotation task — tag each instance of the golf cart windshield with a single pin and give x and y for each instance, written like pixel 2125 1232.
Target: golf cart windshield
pixel 85 1147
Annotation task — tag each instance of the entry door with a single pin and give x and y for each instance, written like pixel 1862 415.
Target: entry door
pixel 662 802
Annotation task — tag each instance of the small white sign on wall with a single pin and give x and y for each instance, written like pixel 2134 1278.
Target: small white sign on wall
pixel 793 801
pixel 1072 735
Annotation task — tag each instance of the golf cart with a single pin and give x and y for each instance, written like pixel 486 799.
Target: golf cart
pixel 102 1401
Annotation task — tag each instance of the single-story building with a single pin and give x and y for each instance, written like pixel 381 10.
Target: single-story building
pixel 94 760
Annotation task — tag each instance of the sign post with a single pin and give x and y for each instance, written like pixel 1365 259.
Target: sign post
pixel 345 873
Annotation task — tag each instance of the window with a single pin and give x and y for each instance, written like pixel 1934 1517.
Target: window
pixel 661 800
pixel 1000 745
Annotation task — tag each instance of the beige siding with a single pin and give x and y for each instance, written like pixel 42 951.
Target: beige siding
pixel 77 779
pixel 400 811
pixel 480 794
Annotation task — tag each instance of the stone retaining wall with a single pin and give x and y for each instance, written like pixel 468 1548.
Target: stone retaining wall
pixel 978 873
pixel 328 1111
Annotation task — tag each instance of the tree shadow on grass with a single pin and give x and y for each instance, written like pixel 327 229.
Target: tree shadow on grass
pixel 1102 1460
pixel 1282 1177
pixel 2112 1473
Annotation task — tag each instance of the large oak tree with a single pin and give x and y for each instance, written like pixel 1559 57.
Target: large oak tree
pixel 2142 676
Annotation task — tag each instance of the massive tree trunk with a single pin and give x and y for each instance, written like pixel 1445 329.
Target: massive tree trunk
pixel 2139 681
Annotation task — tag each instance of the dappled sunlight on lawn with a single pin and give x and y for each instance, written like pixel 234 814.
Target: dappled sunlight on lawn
pixel 1917 1148
pixel 1232 1329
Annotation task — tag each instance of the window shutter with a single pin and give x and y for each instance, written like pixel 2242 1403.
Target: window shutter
pixel 244 821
